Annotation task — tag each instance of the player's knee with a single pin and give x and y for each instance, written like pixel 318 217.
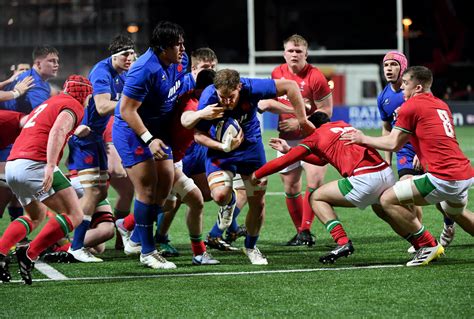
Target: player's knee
pixel 221 196
pixel 453 209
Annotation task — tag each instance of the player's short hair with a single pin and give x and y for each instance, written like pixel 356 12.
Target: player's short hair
pixel 319 118
pixel 421 74
pixel 205 78
pixel 203 54
pixel 296 39
pixel 166 34
pixel 227 79
pixel 121 43
pixel 42 51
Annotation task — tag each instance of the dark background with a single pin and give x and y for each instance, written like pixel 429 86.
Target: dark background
pixel 440 36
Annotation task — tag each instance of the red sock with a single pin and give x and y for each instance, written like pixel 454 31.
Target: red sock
pixel 425 239
pixel 129 222
pixel 295 208
pixel 16 231
pixel 308 214
pixel 55 229
pixel 198 248
pixel 339 235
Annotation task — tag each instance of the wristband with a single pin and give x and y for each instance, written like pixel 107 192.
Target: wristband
pixel 16 94
pixel 147 137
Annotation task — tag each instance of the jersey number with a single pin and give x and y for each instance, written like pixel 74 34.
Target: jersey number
pixel 31 122
pixel 448 127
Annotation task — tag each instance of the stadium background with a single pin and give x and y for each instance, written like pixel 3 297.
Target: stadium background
pixel 372 283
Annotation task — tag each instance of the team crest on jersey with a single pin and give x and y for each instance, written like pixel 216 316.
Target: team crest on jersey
pixel 180 67
pixel 386 102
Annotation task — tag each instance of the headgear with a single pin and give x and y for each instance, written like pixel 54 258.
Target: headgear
pixel 400 58
pixel 78 87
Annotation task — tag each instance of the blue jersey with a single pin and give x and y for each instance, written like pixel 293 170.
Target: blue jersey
pixel 388 103
pixel 104 79
pixel 245 112
pixel 157 87
pixel 40 92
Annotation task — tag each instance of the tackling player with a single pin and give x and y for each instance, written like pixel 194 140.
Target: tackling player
pixel 428 123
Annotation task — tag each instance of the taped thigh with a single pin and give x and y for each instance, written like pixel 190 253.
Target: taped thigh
pixel 92 177
pixel 183 186
pixel 220 178
pixel 404 191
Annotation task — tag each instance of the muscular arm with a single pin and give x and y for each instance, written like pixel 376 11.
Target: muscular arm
pixel 292 91
pixel 325 105
pixel 189 119
pixel 274 106
pixel 296 153
pixel 57 136
pixel 392 142
pixel 104 104
pixel 205 139
pixel 386 129
pixel 128 111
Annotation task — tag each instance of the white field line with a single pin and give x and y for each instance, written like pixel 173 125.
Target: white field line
pixel 49 271
pixel 240 273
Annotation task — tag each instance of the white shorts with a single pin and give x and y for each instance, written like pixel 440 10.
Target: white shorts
pixel 25 178
pixel 365 189
pixel 295 165
pixel 435 190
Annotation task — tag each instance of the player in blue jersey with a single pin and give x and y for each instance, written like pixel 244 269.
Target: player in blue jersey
pixel 45 67
pixel 141 132
pixel 244 153
pixel 87 154
pixel 389 102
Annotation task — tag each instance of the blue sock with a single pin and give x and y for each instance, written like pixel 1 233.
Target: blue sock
pixel 15 212
pixel 215 231
pixel 135 237
pixel 80 233
pixel 145 216
pixel 233 227
pixel 448 221
pixel 251 241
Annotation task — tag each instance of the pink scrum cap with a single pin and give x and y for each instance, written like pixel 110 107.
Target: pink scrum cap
pixel 399 57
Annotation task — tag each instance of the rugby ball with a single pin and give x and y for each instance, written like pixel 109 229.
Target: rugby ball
pixel 226 127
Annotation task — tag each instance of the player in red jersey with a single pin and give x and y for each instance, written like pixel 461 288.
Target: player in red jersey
pixel 427 123
pixel 11 123
pixel 366 176
pixel 32 173
pixel 317 94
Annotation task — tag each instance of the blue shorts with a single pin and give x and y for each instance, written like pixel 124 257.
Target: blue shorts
pixel 246 160
pixel 194 161
pixel 4 153
pixel 405 158
pixel 130 147
pixel 84 156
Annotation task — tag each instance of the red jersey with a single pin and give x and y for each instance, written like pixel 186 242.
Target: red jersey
pixel 33 140
pixel 107 135
pixel 182 138
pixel 324 146
pixel 10 124
pixel 430 122
pixel 313 86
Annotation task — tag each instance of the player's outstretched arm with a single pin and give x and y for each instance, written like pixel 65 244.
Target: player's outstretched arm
pixel 392 142
pixel 189 119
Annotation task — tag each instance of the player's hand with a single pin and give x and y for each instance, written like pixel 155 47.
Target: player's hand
pixel 417 164
pixel 353 137
pixel 236 141
pixel 157 148
pixel 24 85
pixel 279 145
pixel 289 125
pixel 82 131
pixel 48 177
pixel 212 111
pixel 254 180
